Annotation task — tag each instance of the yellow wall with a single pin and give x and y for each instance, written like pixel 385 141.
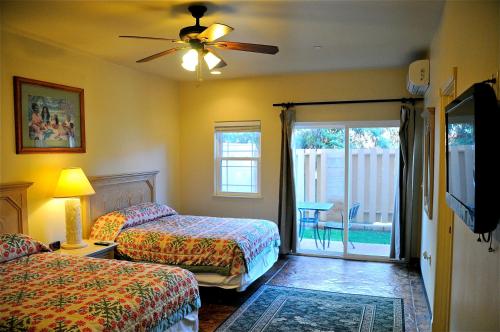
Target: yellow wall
pixel 252 99
pixel 131 125
pixel 468 38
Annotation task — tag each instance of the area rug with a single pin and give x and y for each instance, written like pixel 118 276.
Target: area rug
pixel 275 308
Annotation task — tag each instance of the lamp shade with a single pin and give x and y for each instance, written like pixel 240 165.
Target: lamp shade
pixel 73 183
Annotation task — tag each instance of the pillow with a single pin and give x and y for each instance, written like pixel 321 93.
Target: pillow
pixel 108 226
pixel 13 246
pixel 142 213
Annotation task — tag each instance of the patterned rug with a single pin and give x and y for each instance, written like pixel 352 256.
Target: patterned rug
pixel 274 308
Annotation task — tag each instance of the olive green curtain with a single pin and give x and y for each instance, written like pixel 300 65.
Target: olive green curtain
pixel 287 220
pixel 408 203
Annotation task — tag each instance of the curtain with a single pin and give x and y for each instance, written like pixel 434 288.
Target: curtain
pixel 287 222
pixel 408 202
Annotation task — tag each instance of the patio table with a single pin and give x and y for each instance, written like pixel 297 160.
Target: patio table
pixel 316 207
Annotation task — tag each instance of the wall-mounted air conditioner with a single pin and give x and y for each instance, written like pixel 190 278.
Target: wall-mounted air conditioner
pixel 417 81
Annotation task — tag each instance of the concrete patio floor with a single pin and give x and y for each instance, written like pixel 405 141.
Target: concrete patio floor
pixel 336 248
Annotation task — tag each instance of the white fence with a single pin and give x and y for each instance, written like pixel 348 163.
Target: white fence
pixel 319 176
pixel 461 159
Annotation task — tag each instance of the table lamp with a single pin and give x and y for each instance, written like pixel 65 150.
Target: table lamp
pixel 73 184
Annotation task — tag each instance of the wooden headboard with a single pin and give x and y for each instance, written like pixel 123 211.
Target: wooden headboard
pixel 114 192
pixel 14 207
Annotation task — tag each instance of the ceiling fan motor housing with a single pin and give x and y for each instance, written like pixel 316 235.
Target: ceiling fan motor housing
pixel 188 33
pixel 191 32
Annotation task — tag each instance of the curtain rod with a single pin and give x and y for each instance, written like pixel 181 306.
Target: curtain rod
pixel 362 101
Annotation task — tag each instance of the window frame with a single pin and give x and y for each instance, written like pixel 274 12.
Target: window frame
pixel 239 127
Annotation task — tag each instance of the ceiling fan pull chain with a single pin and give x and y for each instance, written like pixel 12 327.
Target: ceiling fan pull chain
pixel 198 68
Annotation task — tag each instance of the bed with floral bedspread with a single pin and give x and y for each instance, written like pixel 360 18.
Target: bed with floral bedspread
pixel 47 291
pixel 155 233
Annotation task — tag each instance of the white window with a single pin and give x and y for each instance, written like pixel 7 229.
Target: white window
pixel 237 159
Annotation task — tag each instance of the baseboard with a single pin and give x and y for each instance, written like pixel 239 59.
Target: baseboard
pixel 425 293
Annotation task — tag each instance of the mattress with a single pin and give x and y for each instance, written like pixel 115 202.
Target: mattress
pixel 240 282
pixel 50 291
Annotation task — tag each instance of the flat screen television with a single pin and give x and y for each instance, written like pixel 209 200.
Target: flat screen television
pixel 472 149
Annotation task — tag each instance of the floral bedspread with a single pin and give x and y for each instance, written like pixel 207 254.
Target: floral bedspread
pixel 200 244
pixel 53 292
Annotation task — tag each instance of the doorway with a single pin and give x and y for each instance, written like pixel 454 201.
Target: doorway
pixel 345 176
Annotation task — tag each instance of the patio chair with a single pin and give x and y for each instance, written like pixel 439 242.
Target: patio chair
pixel 339 225
pixel 305 220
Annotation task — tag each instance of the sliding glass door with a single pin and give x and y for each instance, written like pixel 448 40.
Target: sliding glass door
pixel 346 175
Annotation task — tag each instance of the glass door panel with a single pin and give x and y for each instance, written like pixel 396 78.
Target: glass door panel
pixel 373 172
pixel 319 166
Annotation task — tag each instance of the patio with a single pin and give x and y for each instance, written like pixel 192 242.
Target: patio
pixel 366 242
pixel 336 248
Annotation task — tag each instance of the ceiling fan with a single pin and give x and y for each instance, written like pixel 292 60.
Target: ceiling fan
pixel 201 41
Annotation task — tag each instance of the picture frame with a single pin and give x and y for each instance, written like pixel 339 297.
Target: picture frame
pixel 428 160
pixel 49 117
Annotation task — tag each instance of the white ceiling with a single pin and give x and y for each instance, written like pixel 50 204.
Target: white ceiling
pixel 353 34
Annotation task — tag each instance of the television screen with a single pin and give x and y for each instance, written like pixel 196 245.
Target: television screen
pixel 471 149
pixel 461 153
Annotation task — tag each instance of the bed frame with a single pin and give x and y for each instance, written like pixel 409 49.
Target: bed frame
pixel 114 192
pixel 14 207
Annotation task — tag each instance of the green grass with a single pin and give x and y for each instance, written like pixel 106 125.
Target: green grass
pixel 377 237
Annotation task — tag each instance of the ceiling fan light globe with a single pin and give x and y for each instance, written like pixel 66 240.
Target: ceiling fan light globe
pixel 190 59
pixel 189 67
pixel 211 59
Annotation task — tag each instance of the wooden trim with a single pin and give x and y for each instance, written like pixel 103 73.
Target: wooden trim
pixel 15 185
pixel 18 81
pixel 444 248
pixel 14 195
pixel 428 156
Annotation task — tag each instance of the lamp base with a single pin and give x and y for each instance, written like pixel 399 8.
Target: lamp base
pixel 73 225
pixel 74 245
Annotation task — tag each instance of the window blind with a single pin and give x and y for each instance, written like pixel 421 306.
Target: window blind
pixel 237 126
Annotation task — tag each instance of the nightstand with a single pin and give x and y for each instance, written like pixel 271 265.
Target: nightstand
pixel 92 250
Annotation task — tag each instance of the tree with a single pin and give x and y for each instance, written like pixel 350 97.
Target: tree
pixel 359 138
pixel 461 134
pixel 241 137
pixel 324 138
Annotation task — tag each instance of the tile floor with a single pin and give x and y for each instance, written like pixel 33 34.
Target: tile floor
pixel 336 275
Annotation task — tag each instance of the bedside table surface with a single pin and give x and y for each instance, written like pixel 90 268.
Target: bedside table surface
pixel 91 249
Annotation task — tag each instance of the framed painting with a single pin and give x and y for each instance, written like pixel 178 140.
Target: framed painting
pixel 428 159
pixel 49 117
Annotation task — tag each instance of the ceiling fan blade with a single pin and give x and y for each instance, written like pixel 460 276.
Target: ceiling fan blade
pixel 157 55
pixel 213 32
pixel 235 46
pixel 153 38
